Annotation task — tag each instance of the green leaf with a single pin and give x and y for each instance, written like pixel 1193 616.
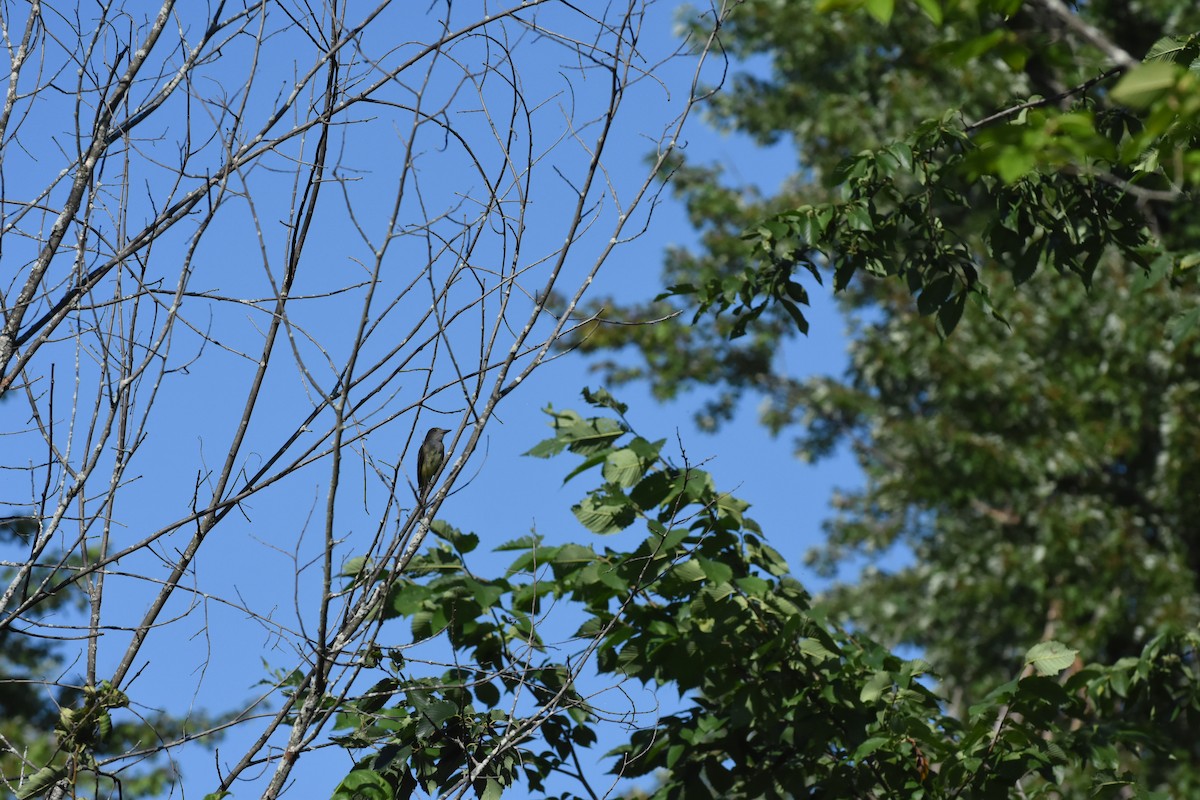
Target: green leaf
pixel 40 781
pixel 1179 327
pixel 696 485
pixel 950 313
pixel 932 9
pixel 845 270
pixel 579 435
pixel 858 218
pixel 815 650
pixel 732 508
pixel 427 623
pixel 934 295
pixel 797 292
pixel 1145 83
pixel 1050 658
pixel 1011 163
pixel 432 712
pixel 377 696
pixel 753 585
pixel 960 53
pixel 546 448
pixel 875 686
pixel 870 746
pixel 715 571
pixel 1182 50
pixel 623 467
pixel 363 784
pixel 601 398
pixel 586 465
pixel 1160 268
pixel 902 153
pixel 485 594
pixel 572 554
pixel 520 543
pixel 653 490
pixel 677 289
pixel 354 566
pixel 796 314
pixel 688 571
pixel 605 513
pixel 462 542
pixel 881 9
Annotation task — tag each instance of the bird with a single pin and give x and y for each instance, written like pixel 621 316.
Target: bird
pixel 429 459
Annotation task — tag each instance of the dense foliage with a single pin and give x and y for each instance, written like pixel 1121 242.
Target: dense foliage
pixel 776 701
pixel 1002 193
pixel 944 152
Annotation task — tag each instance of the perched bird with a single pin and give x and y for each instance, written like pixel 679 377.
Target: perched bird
pixel 429 460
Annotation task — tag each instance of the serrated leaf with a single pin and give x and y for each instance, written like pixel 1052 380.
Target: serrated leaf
pixel 875 686
pixel 1050 658
pixel 622 467
pixel 815 650
pixel 858 218
pixel 1181 50
pixel 715 571
pixel 754 586
pixel 688 571
pixel 604 514
pixel 653 490
pixel 570 554
pixel 520 543
pixel 546 448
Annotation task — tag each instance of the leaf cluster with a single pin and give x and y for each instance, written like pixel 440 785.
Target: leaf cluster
pixel 774 698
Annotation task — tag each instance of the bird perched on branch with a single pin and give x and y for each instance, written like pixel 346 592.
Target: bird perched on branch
pixel 429 460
